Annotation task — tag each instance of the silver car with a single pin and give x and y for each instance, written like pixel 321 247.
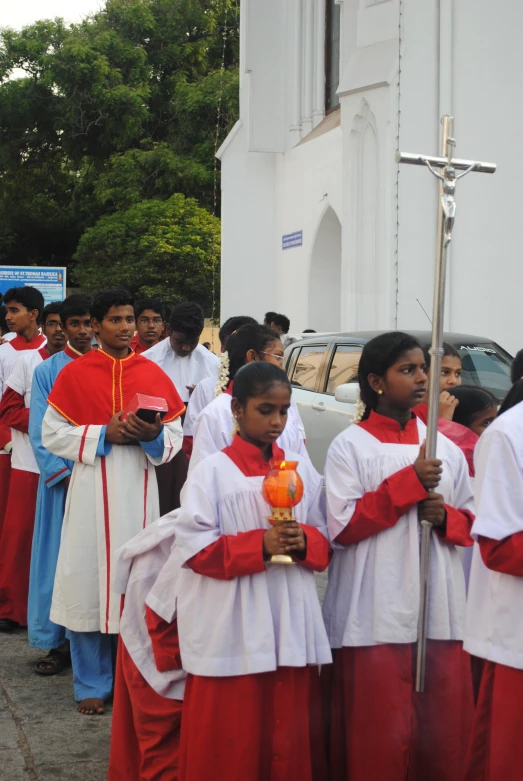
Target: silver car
pixel 323 370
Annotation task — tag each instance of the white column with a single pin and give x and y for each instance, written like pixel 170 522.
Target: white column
pixel 308 66
pixel 297 75
pixel 318 111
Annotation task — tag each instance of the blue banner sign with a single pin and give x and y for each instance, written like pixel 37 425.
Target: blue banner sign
pixel 50 281
pixel 291 240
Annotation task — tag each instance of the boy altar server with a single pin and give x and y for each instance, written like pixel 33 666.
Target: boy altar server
pixel 55 473
pixel 24 305
pixel 17 532
pixel 113 491
pixel 186 363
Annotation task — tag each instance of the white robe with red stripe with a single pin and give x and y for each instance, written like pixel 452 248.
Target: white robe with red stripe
pixel 114 498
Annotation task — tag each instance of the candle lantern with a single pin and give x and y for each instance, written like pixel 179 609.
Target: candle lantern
pixel 283 490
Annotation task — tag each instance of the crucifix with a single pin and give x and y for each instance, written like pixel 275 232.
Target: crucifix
pixel 445 169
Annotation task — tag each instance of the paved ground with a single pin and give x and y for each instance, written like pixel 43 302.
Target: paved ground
pixel 42 737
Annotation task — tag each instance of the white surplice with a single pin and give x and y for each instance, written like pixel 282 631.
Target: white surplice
pixel 213 431
pixel 137 567
pixel 20 380
pixel 254 623
pixel 494 629
pixel 374 586
pixel 191 370
pixel 114 497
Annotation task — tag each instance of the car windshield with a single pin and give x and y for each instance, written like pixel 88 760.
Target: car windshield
pixel 487 365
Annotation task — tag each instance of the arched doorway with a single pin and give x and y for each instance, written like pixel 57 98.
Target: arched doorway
pixel 325 276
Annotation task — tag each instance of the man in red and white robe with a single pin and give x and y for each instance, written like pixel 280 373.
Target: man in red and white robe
pixel 113 492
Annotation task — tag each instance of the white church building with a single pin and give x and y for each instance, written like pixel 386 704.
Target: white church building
pixel 318 220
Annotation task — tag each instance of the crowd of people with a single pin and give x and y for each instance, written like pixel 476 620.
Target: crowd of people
pixel 135 546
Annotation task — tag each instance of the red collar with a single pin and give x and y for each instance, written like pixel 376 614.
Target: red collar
pixel 228 390
pixel 72 353
pixel 422 412
pixel 248 458
pixel 44 353
pixel 19 343
pixel 130 354
pixel 388 430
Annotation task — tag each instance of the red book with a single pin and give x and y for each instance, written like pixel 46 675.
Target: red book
pixel 146 407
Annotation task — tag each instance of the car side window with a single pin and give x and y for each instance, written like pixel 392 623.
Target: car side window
pixel 344 366
pixel 308 365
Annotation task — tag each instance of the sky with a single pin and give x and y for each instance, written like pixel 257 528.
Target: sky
pixel 20 13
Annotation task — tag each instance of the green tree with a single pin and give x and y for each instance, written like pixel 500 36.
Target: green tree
pixel 166 249
pixel 113 112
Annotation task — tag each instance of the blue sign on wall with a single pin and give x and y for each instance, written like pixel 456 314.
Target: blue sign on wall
pixel 291 240
pixel 50 281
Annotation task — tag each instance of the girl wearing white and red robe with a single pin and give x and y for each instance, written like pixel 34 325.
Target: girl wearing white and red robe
pixel 251 634
pixel 494 630
pixel 150 681
pixel 213 429
pixel 376 474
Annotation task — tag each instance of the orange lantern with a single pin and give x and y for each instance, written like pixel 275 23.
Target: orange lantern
pixel 283 490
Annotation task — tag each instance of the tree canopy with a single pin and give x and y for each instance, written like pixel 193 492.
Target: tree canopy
pixel 114 122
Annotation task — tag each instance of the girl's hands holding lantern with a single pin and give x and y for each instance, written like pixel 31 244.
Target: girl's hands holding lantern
pixel 287 539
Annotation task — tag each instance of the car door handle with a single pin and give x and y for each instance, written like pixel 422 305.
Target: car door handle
pixel 319 407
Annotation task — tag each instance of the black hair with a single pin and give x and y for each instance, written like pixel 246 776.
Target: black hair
pixel 75 306
pixel 29 297
pixel 188 319
pixel 51 309
pixel 309 331
pixel 104 301
pixel 269 317
pixel 516 371
pixel 448 349
pixel 513 397
pixel 282 322
pixel 148 303
pixel 248 337
pixel 377 357
pixel 231 325
pixel 257 378
pixel 472 401
pixel 4 328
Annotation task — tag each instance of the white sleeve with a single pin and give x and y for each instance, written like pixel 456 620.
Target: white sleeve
pixel 172 443
pixel 196 404
pixel 19 378
pixel 463 486
pixel 77 443
pixel 315 495
pixel 343 489
pixel 209 438
pixel 499 486
pixel 197 524
pixel 301 427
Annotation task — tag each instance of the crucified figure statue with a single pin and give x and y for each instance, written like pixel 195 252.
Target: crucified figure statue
pixel 448 178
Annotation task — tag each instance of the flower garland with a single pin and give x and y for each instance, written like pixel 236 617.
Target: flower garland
pixel 223 376
pixel 359 409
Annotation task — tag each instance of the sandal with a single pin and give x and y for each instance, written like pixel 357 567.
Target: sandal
pixel 53 663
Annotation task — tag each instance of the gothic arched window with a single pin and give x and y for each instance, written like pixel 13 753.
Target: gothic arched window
pixel 332 55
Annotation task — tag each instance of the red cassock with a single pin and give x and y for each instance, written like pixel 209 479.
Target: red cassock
pixel 261 727
pixel 17 525
pixel 145 735
pixel 378 728
pixel 496 749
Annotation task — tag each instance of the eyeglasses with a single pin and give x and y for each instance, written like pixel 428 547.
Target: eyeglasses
pixel 278 357
pixel 53 324
pixel 147 320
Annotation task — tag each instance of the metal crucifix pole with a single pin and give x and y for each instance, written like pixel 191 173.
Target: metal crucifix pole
pixel 445 169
